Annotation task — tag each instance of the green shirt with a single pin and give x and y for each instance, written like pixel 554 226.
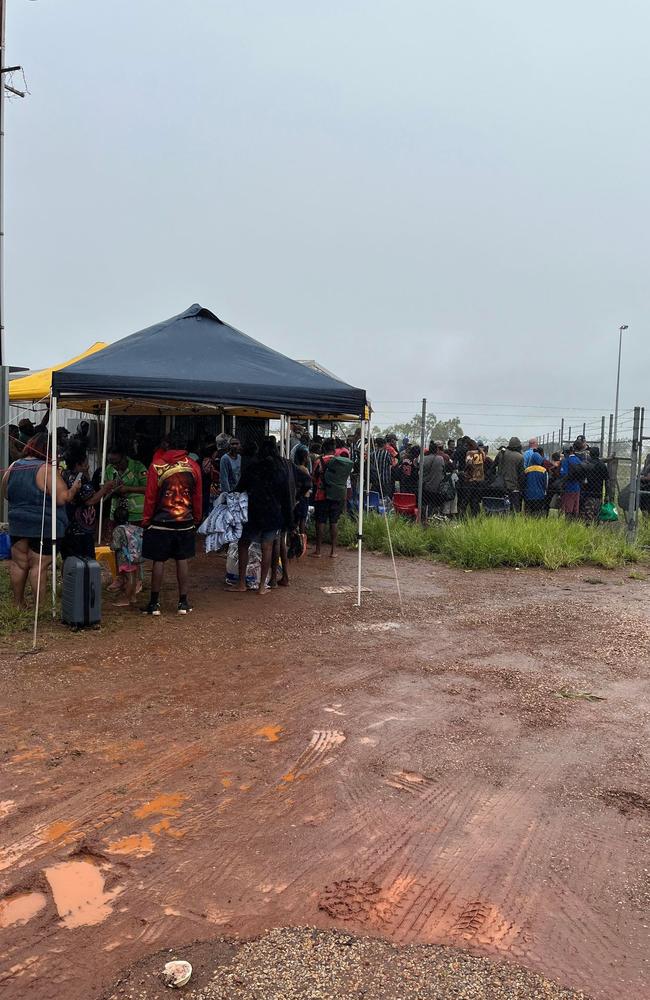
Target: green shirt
pixel 135 475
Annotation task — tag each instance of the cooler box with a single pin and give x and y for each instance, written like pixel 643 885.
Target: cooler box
pixel 81 599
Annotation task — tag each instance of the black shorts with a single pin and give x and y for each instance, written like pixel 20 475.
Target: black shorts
pixel 34 544
pixel 328 511
pixel 161 544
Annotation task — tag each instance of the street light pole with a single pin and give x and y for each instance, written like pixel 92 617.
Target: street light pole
pixel 618 382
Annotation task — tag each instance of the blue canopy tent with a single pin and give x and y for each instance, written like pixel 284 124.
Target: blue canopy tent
pixel 194 360
pixel 195 363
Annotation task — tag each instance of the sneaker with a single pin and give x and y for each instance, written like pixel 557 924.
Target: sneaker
pixel 152 609
pixel 184 608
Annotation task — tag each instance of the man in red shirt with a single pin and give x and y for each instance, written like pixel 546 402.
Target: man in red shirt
pixel 172 513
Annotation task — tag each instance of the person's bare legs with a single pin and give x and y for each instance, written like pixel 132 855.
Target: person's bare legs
pixel 242 552
pixel 130 581
pixel 182 576
pixel 18 571
pixel 267 553
pixel 157 573
pixel 275 560
pixel 45 563
pixel 334 535
pixel 284 582
pixel 319 539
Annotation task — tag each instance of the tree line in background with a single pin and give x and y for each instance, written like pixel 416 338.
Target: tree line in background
pixel 434 429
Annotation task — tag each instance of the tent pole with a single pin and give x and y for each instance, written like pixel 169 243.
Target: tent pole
pixel 53 419
pixel 282 434
pixel 360 532
pixel 101 481
pixel 288 436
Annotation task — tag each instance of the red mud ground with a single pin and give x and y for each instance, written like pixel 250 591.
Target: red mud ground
pixel 286 762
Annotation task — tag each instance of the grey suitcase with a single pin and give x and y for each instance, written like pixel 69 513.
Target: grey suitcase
pixel 81 600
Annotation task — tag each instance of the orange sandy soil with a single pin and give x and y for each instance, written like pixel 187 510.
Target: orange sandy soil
pixel 294 761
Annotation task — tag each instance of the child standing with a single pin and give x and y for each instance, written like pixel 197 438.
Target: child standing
pixel 127 546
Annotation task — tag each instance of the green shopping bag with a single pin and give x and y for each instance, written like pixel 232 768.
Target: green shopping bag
pixel 608 512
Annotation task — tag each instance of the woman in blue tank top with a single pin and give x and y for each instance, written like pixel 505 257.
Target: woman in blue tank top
pixel 27 485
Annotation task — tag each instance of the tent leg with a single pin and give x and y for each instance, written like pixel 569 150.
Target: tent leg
pixel 360 534
pixel 101 482
pixel 54 463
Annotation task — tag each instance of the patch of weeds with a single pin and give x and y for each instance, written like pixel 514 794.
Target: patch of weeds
pixel 567 692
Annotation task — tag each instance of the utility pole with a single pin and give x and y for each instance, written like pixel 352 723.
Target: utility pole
pixel 4 368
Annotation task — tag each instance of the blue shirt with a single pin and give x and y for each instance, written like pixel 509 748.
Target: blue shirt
pixel 536 480
pixel 229 473
pixel 528 455
pixel 571 485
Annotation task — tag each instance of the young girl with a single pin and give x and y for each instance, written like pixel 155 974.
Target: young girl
pixel 127 545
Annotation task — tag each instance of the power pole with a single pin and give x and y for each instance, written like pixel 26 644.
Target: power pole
pixel 4 370
pixel 4 367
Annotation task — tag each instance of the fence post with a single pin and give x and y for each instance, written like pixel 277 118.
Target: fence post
pixel 562 434
pixel 634 461
pixel 610 434
pixel 602 436
pixel 421 469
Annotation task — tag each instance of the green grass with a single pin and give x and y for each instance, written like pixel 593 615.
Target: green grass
pixel 490 542
pixel 12 621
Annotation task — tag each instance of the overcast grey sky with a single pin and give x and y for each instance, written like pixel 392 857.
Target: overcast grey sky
pixel 441 199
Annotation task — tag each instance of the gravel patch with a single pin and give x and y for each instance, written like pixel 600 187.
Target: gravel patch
pixel 308 964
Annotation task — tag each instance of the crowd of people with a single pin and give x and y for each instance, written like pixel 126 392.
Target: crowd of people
pixel 462 477
pixel 153 513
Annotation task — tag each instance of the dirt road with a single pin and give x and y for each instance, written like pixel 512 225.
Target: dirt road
pixel 292 761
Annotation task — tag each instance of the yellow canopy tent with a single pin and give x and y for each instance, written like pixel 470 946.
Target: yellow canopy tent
pixel 37 385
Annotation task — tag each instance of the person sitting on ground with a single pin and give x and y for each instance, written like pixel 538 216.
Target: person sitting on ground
pixel 79 537
pixel 595 489
pixel 127 546
pixel 330 480
pixel 535 487
pixel 230 467
pixel 571 471
pixel 531 450
pixel 172 512
pixel 510 463
pixel 28 486
pixel 265 480
pixel 433 471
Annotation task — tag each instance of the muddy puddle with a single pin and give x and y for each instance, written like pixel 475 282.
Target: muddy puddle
pixel 78 888
pixel 20 908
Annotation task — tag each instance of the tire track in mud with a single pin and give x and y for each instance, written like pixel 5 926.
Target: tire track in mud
pixel 471 887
